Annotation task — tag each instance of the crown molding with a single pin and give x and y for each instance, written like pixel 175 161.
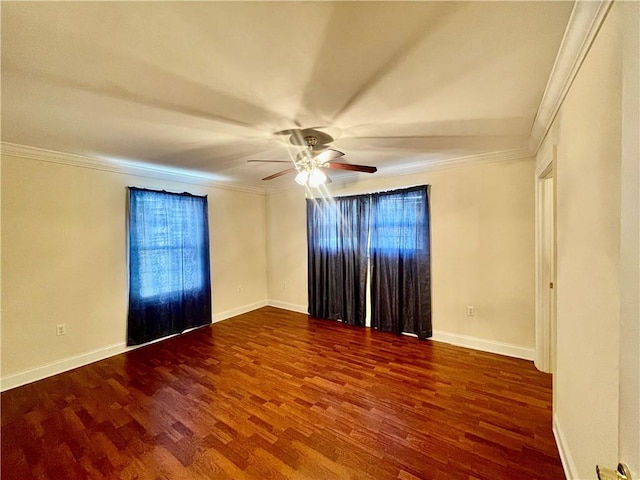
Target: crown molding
pixel 466 161
pixel 153 171
pixel 583 26
pixel 429 166
pixel 122 167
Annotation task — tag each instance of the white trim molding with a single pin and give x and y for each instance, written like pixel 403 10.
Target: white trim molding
pixel 568 464
pixel 289 306
pixel 585 21
pixel 545 159
pixel 123 167
pixel 544 270
pixel 484 345
pixel 411 170
pixel 59 366
pixel 218 317
pixel 428 166
pixel 197 178
pixel 425 166
pixel 491 346
pixel 470 160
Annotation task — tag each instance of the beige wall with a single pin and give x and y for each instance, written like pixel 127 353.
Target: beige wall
pixel 64 257
pixel 587 134
pixel 482 247
pixel 287 249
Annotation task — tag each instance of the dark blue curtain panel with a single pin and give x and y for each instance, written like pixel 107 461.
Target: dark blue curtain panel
pixel 337 230
pixel 169 268
pixel 401 262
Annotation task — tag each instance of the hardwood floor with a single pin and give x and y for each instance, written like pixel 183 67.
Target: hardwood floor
pixel 272 394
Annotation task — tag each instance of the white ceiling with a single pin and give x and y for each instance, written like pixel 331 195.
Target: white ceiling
pixel 204 86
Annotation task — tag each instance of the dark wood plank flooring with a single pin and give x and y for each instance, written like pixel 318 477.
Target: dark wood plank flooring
pixel 273 394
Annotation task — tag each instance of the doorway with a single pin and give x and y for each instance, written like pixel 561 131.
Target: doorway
pixel 545 315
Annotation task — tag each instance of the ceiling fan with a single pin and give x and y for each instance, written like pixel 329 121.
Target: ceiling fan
pixel 310 162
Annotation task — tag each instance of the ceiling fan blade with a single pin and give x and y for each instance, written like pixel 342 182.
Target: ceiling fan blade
pixel 279 174
pixel 303 131
pixel 328 155
pixel 349 166
pixel 271 161
pixel 288 131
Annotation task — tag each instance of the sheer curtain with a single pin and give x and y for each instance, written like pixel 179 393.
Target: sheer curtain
pixel 337 234
pixel 169 273
pixel 400 262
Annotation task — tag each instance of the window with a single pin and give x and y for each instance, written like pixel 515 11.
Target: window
pixel 328 237
pixel 169 273
pixel 399 221
pixel 169 243
pixel 338 221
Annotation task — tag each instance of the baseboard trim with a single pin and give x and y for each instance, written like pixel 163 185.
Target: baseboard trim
pixel 484 345
pixel 63 365
pixel 218 317
pixel 288 306
pixel 508 349
pixel 75 361
pixel 563 449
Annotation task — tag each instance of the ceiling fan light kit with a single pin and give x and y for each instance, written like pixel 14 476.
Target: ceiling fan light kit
pixel 302 177
pixel 309 163
pixel 316 178
pixel 312 178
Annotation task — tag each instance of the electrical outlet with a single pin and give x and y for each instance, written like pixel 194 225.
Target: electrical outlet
pixel 471 310
pixel 61 329
pixel 239 289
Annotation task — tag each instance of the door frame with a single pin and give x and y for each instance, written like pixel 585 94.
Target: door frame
pixel 545 328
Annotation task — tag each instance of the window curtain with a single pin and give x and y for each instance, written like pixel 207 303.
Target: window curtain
pixel 400 262
pixel 169 273
pixel 337 231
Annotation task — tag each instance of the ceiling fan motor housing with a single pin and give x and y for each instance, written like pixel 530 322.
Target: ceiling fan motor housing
pixel 311 141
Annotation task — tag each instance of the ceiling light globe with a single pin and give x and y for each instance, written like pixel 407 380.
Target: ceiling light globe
pixel 316 178
pixel 302 177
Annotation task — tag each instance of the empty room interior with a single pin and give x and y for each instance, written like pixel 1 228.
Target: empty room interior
pixel 320 240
